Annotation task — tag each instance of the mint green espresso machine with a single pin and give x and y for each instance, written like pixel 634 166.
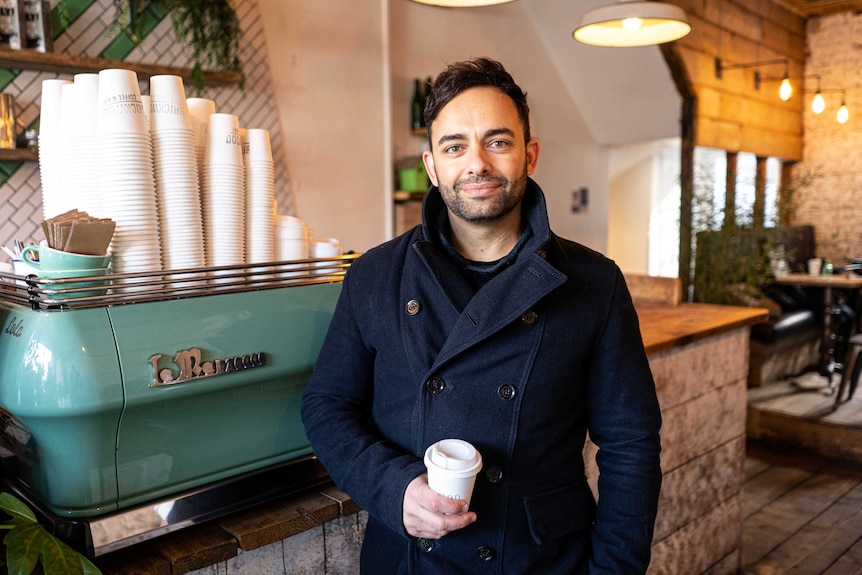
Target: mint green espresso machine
pixel 159 400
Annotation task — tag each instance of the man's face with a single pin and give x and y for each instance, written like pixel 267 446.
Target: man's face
pixel 478 158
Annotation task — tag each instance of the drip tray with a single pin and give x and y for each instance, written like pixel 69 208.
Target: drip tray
pixel 95 536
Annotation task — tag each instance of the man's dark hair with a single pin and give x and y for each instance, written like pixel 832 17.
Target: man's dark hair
pixel 475 73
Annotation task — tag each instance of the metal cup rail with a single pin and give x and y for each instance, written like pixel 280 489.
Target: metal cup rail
pixel 119 289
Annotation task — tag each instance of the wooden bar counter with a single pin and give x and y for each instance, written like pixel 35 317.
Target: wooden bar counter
pixel 699 357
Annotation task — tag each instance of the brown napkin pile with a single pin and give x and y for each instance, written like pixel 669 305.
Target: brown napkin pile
pixel 79 233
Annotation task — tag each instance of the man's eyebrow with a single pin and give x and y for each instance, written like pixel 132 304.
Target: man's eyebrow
pixel 489 134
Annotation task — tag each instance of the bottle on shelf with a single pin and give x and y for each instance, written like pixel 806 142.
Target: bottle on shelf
pixel 417 107
pixel 10 26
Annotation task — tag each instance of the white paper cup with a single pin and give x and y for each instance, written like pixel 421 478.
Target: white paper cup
pixel 121 109
pixel 452 467
pixel 258 145
pixel 168 107
pixel 224 143
pixel 814 265
pixel 49 114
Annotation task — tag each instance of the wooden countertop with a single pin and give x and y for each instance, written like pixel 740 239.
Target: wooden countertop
pixel 665 327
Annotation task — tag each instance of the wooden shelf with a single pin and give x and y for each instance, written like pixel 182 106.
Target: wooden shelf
pixel 70 64
pixel 19 155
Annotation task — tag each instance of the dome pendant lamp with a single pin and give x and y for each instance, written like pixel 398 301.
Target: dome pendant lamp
pixel 462 3
pixel 632 24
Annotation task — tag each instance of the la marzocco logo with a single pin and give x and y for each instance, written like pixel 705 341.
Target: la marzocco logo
pixel 191 367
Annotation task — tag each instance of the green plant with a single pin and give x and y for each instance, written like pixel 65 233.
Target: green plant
pixel 209 27
pixel 28 544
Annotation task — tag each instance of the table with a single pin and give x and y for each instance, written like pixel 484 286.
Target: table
pixel 828 362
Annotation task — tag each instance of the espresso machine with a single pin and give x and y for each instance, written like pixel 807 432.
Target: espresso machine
pixel 143 403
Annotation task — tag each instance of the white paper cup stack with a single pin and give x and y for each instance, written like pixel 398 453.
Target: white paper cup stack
pixel 325 248
pixel 292 237
pixel 223 192
pixel 68 140
pixel 200 110
pixel 260 196
pixel 126 173
pixel 176 175
pixel 85 149
pixel 51 151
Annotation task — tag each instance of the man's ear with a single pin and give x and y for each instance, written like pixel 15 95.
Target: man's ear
pixel 428 160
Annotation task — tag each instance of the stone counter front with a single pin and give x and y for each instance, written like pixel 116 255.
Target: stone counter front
pixel 698 354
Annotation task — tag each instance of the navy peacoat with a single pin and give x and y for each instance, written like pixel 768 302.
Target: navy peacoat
pixel 547 350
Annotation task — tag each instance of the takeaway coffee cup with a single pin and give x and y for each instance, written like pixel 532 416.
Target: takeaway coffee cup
pixel 814 265
pixel 49 259
pixel 452 467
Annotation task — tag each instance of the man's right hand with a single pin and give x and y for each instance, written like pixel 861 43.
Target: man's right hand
pixel 430 515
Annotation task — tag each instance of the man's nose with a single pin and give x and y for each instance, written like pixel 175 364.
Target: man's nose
pixel 479 162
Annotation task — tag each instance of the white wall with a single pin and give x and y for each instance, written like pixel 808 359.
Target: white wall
pixel 328 65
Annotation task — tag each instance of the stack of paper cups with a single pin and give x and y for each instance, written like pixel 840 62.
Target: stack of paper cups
pixel 126 173
pixel 85 150
pixel 260 196
pixel 223 192
pixel 200 110
pixel 176 175
pixel 68 140
pixel 292 239
pixel 325 248
pixel 51 150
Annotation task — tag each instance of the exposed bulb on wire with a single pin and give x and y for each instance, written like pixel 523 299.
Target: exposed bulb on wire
pixel 843 114
pixel 818 104
pixel 786 90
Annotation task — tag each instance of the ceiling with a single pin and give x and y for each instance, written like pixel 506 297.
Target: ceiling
pixel 822 7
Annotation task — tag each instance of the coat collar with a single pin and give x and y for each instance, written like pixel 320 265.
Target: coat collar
pixel 504 298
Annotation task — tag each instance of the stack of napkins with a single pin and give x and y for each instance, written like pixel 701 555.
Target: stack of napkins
pixel 79 233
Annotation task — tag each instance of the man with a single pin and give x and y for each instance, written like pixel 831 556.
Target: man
pixel 482 325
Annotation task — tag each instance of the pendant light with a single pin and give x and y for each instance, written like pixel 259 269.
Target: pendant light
pixel 462 3
pixel 818 104
pixel 632 24
pixel 843 115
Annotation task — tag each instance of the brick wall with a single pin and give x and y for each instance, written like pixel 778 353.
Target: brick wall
pixel 833 152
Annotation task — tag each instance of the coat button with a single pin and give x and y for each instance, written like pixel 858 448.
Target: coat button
pixel 494 474
pixel 412 307
pixel 424 545
pixel 506 391
pixel 542 254
pixel 529 317
pixel 485 553
pixel 435 385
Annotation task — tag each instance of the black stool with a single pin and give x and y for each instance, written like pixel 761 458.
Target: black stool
pixel 852 369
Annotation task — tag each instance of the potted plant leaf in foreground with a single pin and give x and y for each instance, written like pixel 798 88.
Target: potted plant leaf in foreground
pixel 28 544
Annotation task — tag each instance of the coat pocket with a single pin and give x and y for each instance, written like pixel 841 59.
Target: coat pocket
pixel 561 511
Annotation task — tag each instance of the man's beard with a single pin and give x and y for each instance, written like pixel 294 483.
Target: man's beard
pixel 485 210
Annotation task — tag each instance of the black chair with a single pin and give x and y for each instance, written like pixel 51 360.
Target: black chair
pixel 852 370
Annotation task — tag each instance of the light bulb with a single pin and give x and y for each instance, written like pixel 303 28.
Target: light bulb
pixel 818 104
pixel 632 24
pixel 843 114
pixel 786 90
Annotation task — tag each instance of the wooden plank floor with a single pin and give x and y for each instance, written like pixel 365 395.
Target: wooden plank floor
pixel 803 513
pixel 802 498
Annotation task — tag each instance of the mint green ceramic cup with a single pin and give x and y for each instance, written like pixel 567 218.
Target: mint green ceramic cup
pixel 48 259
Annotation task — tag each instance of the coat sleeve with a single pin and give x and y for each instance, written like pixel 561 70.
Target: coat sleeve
pixel 624 422
pixel 336 412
